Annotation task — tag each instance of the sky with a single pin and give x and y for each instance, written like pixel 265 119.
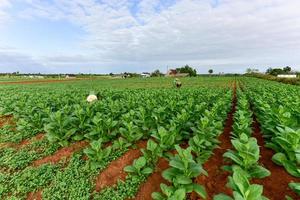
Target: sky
pixel 103 36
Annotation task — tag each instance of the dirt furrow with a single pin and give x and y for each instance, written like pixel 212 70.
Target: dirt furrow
pixel 23 143
pixel 216 180
pixel 276 185
pixel 41 81
pixel 114 170
pixel 62 153
pixel 6 119
pixel 153 182
pixel 34 195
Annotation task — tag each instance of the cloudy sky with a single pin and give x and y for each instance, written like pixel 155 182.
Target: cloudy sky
pixel 102 36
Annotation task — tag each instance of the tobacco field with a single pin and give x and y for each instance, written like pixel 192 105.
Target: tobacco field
pixel 216 138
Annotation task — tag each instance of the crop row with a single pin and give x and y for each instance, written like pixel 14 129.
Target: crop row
pixel 244 157
pixel 149 122
pixel 277 108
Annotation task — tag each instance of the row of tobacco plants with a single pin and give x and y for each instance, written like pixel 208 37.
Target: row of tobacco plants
pixel 244 156
pixel 277 107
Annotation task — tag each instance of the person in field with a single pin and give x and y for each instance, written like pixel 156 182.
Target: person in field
pixel 177 83
pixel 92 97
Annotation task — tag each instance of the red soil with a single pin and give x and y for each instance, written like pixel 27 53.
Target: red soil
pixel 114 171
pixel 23 143
pixel 34 195
pixel 216 180
pixel 276 185
pixel 153 182
pixel 64 152
pixel 7 119
pixel 38 81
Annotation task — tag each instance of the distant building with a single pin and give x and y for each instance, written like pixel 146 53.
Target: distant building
pixel 174 73
pixel 70 76
pixel 171 72
pixel 145 75
pixel 34 76
pixel 287 76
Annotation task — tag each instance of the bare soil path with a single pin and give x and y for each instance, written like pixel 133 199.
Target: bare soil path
pixel 23 143
pixel 39 81
pixel 65 152
pixel 35 195
pixel 7 119
pixel 114 171
pixel 153 182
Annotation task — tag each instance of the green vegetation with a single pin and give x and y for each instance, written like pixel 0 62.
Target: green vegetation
pixel 242 189
pixel 181 173
pixel 181 126
pixel 278 113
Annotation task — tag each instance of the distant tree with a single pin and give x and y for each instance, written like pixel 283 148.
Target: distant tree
pixel 156 73
pixel 187 69
pixel 269 70
pixel 131 75
pixel 210 71
pixel 251 70
pixel 111 74
pixel 275 71
pixel 287 69
pixel 248 70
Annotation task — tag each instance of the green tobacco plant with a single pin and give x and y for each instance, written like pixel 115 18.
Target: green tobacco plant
pixel 182 172
pixel 130 132
pixel 60 128
pixel 159 116
pixel 295 187
pixel 182 120
pixel 97 154
pixel 120 143
pixel 284 117
pixel 165 139
pixel 139 167
pixel 169 193
pixel 83 116
pixel 152 153
pixel 242 189
pixel 208 124
pixel 202 145
pixel 102 127
pixel 143 120
pixel 287 145
pixel 246 155
pixel 242 124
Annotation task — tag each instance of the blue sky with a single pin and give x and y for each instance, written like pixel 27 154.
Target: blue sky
pixel 103 36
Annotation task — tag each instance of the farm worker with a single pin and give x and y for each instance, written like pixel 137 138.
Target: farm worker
pixel 177 83
pixel 92 97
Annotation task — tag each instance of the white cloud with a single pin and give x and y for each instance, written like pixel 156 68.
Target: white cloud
pixel 12 62
pixel 4 16
pixel 237 33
